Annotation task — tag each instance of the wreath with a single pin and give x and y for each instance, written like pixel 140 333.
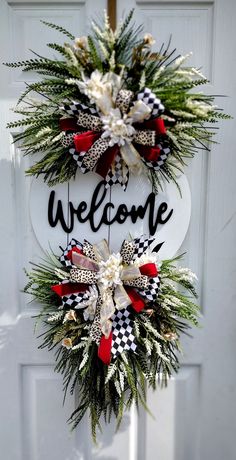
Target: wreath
pixel 113 105
pixel 114 320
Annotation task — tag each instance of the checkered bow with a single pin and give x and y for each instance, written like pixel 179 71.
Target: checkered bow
pixel 110 288
pixel 141 138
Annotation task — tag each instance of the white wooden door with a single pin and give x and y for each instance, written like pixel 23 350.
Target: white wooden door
pixel 195 416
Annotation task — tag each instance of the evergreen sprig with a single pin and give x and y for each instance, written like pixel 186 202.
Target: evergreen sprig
pixel 107 391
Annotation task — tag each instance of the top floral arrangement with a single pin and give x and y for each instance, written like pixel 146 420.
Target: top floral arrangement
pixel 114 106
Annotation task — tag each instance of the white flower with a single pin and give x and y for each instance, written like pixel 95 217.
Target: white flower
pixel 81 43
pixel 147 257
pixel 70 316
pixel 67 343
pixel 117 127
pixel 148 39
pixel 101 89
pixel 110 271
pixel 91 304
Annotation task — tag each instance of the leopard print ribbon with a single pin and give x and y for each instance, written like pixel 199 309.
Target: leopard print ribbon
pixel 145 137
pixel 68 139
pixel 94 153
pixel 89 251
pixel 141 282
pixel 83 276
pixel 89 121
pixel 124 99
pixel 127 251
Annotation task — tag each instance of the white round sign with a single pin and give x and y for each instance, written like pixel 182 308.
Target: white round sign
pixel 85 209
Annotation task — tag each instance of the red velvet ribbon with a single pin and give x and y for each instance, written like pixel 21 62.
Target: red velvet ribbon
pixel 106 159
pixel 84 141
pixel 68 288
pixel 68 124
pixel 156 124
pixel 149 269
pixel 104 349
pixel 149 153
pixel 137 301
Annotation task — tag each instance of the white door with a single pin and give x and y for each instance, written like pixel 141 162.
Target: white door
pixel 195 416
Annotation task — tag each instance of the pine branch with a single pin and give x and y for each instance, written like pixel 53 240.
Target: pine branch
pixel 59 29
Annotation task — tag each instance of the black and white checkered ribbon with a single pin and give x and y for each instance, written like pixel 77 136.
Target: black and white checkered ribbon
pixel 150 99
pixel 74 108
pixel 164 153
pixel 141 245
pixel 123 338
pixel 63 258
pixel 78 157
pixel 151 293
pixel 74 300
pixel 118 174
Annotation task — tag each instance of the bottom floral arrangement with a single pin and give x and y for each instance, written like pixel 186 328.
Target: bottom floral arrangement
pixel 114 320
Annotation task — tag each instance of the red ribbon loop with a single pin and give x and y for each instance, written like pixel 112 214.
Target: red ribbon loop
pixel 104 349
pixel 84 141
pixel 149 270
pixel 149 153
pixel 68 124
pixel 156 124
pixel 68 288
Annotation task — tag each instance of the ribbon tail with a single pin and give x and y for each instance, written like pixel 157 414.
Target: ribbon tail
pixel 101 250
pixel 121 297
pixel 104 349
pixel 84 262
pixel 123 338
pixel 118 173
pixel 95 152
pixel 136 300
pixel 131 157
pixel 106 312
